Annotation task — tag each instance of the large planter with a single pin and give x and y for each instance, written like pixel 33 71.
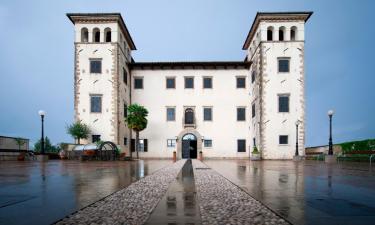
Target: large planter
pixel 255 157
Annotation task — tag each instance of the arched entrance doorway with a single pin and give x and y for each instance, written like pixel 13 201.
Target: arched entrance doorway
pixel 189 146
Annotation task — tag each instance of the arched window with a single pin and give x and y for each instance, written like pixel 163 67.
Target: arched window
pixel 281 33
pixel 108 34
pixel 84 35
pixel 96 35
pixel 189 116
pixel 270 34
pixel 293 33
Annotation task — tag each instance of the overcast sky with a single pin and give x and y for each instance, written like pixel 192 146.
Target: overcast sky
pixel 36 56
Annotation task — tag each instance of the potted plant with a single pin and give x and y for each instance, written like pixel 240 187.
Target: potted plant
pixel 255 154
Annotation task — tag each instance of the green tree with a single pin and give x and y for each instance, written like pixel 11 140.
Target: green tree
pixel 137 121
pixel 78 131
pixel 48 147
pixel 20 142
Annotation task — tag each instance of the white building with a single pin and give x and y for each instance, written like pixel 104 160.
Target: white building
pixel 223 109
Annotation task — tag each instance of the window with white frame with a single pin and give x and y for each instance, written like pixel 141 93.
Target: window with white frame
pixel 207 143
pixel 171 143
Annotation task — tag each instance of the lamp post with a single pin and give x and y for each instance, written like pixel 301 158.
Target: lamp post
pixel 297 123
pixel 41 114
pixel 330 146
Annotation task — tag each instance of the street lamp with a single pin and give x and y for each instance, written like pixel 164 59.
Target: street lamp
pixel 297 123
pixel 41 114
pixel 330 146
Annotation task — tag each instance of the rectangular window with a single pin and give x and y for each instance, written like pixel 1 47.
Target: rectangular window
pixel 189 82
pixel 125 110
pixel 207 114
pixel 95 66
pixel 207 143
pixel 96 103
pixel 241 82
pixel 171 114
pixel 207 82
pixel 253 110
pixel 171 143
pixel 241 145
pixel 283 103
pixel 143 145
pixel 241 114
pixel 138 83
pixel 253 76
pixel 171 82
pixel 125 76
pixel 283 65
pixel 125 141
pixel 283 139
pixel 95 138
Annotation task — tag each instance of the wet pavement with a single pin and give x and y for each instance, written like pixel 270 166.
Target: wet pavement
pixel 307 192
pixel 180 204
pixel 42 193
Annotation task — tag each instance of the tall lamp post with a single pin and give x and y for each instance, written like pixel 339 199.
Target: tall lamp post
pixel 297 123
pixel 330 145
pixel 41 114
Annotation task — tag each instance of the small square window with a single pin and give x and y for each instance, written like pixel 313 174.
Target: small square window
pixel 207 114
pixel 241 82
pixel 207 82
pixel 171 82
pixel 95 66
pixel 283 139
pixel 171 115
pixel 241 114
pixel 189 82
pixel 283 103
pixel 207 143
pixel 138 83
pixel 241 145
pixel 283 66
pixel 95 138
pixel 96 103
pixel 171 143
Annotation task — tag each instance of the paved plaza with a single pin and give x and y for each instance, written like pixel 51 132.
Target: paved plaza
pixel 186 192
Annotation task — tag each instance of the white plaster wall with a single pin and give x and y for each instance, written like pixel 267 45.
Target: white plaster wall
pixel 224 98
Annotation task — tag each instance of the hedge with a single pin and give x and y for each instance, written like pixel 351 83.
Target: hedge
pixel 363 145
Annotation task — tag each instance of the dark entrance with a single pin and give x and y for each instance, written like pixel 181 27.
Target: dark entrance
pixel 189 146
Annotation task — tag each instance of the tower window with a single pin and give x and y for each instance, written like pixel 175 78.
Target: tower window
pixel 253 75
pixel 293 33
pixel 281 33
pixel 241 114
pixel 84 35
pixel 108 35
pixel 207 82
pixel 283 65
pixel 189 82
pixel 283 139
pixel 95 66
pixel 171 82
pixel 96 35
pixel 241 82
pixel 138 83
pixel 270 34
pixel 283 103
pixel 96 103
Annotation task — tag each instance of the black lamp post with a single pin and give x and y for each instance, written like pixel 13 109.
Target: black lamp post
pixel 41 114
pixel 330 145
pixel 297 123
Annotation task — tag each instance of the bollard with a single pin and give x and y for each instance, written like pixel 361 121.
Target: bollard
pixel 200 156
pixel 174 156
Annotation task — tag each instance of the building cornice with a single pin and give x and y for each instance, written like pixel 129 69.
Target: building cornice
pixel 189 65
pixel 92 18
pixel 274 17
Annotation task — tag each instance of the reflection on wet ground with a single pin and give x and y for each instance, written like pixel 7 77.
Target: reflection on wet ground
pixel 42 193
pixel 307 192
pixel 180 204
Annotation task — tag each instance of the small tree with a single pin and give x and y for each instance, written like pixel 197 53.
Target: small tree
pixel 137 121
pixel 48 147
pixel 20 142
pixel 78 131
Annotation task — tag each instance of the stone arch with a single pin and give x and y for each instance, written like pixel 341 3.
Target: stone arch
pixel 84 35
pixel 96 35
pixel 293 33
pixel 270 33
pixel 188 130
pixel 108 34
pixel 282 33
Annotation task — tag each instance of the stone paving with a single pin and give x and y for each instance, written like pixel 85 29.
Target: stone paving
pixel 132 205
pixel 222 202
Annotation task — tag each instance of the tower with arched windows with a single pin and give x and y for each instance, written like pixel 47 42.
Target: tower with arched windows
pixel 275 46
pixel 221 108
